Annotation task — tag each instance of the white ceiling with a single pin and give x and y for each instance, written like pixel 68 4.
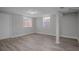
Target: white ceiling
pixel 42 10
pixel 69 9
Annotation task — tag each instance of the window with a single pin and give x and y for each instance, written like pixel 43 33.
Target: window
pixel 46 21
pixel 27 22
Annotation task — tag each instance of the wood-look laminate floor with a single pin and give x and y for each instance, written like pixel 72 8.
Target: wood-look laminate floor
pixel 38 42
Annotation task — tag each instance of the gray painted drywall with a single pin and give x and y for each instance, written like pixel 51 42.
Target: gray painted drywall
pixel 78 27
pixel 68 26
pixel 4 26
pixel 51 30
pixel 17 26
pixel 34 24
pixel 11 25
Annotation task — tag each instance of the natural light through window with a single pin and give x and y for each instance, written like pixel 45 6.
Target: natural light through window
pixel 27 22
pixel 46 21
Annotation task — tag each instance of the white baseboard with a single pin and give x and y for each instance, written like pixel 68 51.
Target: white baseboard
pixel 60 35
pixel 38 33
pixel 73 37
pixel 46 33
pixel 78 40
pixel 19 35
pixel 1 38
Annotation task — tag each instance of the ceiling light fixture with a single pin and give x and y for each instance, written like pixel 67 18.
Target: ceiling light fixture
pixel 32 12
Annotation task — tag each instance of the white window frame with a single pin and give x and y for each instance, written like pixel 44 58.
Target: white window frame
pixel 27 20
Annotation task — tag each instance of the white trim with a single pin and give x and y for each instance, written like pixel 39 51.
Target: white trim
pixel 45 33
pixel 78 40
pixel 20 35
pixel 72 37
pixel 1 38
pixel 17 36
pixel 57 29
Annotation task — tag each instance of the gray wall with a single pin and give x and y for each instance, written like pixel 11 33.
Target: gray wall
pixel 78 27
pixel 4 26
pixel 17 26
pixel 11 25
pixel 68 26
pixel 51 30
pixel 34 24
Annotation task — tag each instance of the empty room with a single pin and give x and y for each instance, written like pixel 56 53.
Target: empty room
pixel 39 29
